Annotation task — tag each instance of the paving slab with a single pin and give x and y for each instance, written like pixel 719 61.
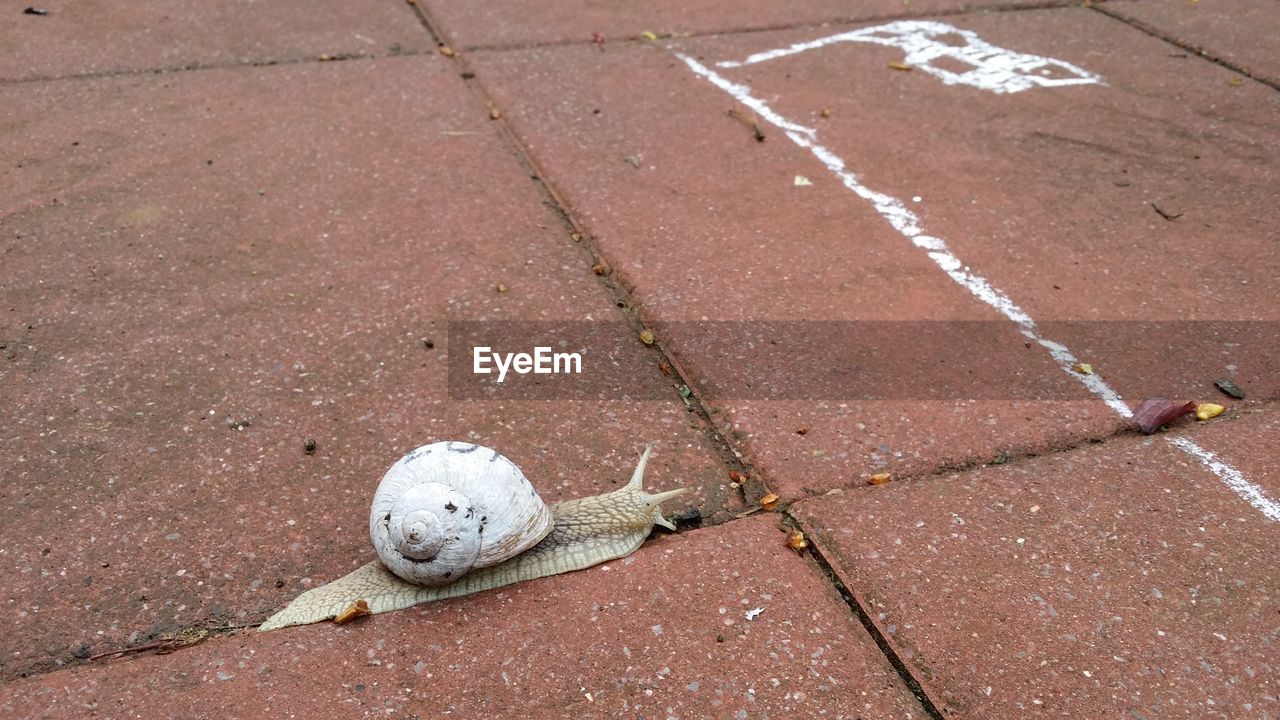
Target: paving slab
pixel 1241 33
pixel 205 269
pixel 662 633
pixel 1121 579
pixel 508 22
pixel 89 37
pixel 1055 211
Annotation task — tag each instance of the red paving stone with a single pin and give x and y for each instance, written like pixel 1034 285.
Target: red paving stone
pixel 507 22
pixel 1242 32
pixel 660 634
pixel 1116 580
pixel 258 245
pixel 87 37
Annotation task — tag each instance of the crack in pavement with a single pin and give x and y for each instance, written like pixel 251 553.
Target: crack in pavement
pixel 430 24
pixel 622 299
pixel 781 27
pixel 1183 44
pixel 858 608
pixel 199 67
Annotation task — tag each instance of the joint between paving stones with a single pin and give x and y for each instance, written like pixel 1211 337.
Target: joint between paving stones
pixel 923 694
pixel 154 644
pixel 754 487
pixel 781 27
pixel 1181 44
pixel 1019 455
pixel 197 67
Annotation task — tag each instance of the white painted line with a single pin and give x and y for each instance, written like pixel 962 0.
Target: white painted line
pixel 1232 477
pixel 908 224
pixel 984 65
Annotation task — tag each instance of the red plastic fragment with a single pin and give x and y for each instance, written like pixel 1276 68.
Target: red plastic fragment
pixel 1157 411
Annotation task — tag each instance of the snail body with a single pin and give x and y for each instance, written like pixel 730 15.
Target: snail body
pixel 520 538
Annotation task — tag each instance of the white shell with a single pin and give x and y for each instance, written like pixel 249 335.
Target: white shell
pixel 451 507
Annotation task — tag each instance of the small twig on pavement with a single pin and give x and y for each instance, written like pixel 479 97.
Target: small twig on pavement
pixel 749 119
pixel 1166 215
pixel 164 645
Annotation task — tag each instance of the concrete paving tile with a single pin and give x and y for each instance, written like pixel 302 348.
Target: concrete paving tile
pixel 271 248
pixel 91 37
pixel 660 634
pixel 507 22
pixel 1116 580
pixel 1242 33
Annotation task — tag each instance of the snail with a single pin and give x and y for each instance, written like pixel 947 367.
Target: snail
pixel 454 518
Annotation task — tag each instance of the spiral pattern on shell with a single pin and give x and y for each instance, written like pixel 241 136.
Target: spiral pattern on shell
pixel 450 507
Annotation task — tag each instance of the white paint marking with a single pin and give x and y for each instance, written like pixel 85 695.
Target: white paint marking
pixel 986 66
pixel 1232 477
pixel 908 224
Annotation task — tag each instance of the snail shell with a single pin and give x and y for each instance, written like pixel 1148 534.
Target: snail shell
pixel 451 507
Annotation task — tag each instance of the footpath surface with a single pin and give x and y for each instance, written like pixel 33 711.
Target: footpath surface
pixel 229 229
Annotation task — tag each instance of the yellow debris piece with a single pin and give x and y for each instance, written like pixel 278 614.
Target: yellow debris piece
pixel 1205 411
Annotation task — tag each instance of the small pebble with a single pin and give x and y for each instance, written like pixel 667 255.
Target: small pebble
pixel 1229 387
